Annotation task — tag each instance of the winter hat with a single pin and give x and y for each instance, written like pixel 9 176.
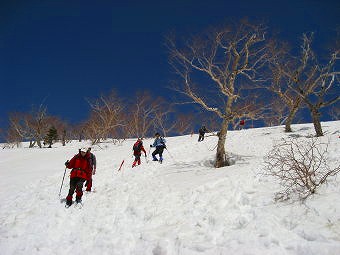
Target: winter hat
pixel 157 134
pixel 83 149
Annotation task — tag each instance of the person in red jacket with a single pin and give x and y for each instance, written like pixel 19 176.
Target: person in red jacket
pixel 81 170
pixel 137 151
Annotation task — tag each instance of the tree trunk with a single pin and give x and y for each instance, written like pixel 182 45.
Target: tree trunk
pixel 292 113
pixel 39 143
pixel 316 121
pixel 63 138
pixel 289 120
pixel 32 143
pixel 221 159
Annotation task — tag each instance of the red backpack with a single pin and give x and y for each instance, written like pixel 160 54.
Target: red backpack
pixel 137 146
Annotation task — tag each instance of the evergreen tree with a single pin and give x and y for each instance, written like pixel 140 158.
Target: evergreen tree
pixel 51 136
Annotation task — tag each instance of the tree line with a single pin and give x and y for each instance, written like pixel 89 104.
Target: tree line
pixel 111 119
pixel 234 72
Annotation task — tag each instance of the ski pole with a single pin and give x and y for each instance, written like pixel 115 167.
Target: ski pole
pixel 149 151
pixel 121 165
pixel 170 154
pixel 62 182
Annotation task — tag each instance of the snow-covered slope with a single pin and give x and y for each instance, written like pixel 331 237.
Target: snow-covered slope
pixel 183 206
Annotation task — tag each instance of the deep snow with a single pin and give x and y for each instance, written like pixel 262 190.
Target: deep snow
pixel 183 206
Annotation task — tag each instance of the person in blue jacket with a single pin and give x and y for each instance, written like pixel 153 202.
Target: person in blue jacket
pixel 159 143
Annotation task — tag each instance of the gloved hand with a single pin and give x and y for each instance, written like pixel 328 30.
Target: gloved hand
pixel 94 171
pixel 145 155
pixel 150 145
pixel 67 162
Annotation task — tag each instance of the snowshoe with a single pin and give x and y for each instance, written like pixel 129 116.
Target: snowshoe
pixel 78 204
pixel 68 203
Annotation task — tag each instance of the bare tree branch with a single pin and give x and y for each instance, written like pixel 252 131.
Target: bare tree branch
pixel 225 60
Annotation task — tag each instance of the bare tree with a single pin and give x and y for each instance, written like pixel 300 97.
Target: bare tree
pixel 213 123
pixel 16 132
pixel 312 81
pixel 279 86
pixel 217 70
pixel 104 117
pixel 184 123
pixel 278 113
pixel 141 114
pixel 30 127
pixel 334 112
pixel 287 96
pixel 249 110
pixel 12 137
pixel 77 131
pixel 164 118
pixel 300 166
pixel 37 125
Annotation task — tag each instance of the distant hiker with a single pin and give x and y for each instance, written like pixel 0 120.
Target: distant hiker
pixel 81 169
pixel 159 143
pixel 242 123
pixel 93 163
pixel 201 133
pixel 137 151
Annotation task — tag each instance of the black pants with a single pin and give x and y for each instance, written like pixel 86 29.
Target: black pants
pixel 137 157
pixel 159 150
pixel 76 184
pixel 200 137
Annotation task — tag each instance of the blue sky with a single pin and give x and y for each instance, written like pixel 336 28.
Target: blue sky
pixel 61 52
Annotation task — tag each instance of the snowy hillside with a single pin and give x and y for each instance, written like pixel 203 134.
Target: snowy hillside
pixel 183 206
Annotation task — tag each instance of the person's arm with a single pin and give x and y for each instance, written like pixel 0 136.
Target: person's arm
pixel 142 149
pixel 94 162
pixel 70 164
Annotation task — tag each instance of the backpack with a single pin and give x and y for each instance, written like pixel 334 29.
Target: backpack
pixel 137 146
pixel 92 159
pixel 162 142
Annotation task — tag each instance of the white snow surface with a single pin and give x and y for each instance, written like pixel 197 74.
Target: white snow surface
pixel 183 206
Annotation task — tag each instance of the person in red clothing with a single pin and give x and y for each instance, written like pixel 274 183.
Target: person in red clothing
pixel 242 123
pixel 137 151
pixel 93 162
pixel 81 170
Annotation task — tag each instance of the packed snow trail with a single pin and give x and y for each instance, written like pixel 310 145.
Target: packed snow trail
pixel 183 206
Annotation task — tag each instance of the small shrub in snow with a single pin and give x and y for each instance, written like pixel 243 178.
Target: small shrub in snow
pixel 300 166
